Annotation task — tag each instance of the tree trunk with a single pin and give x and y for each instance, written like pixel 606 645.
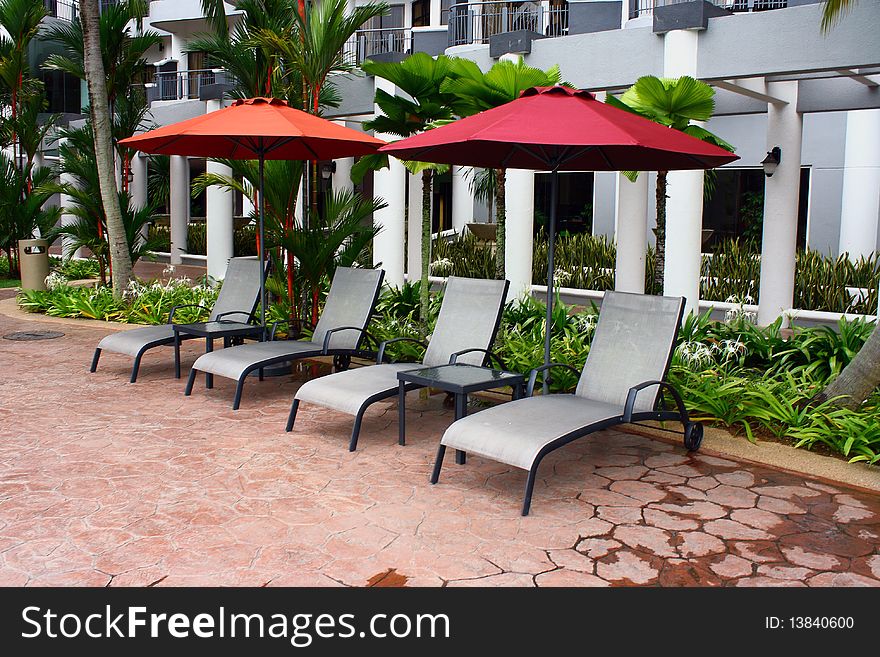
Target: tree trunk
pixel 858 379
pixel 660 232
pixel 424 286
pixel 500 219
pixel 101 128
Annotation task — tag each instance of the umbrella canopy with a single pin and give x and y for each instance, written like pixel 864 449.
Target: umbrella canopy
pixel 559 129
pixel 253 127
pixel 256 129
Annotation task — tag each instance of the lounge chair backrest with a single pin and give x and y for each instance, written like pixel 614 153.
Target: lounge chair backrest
pixel 240 291
pixel 633 342
pixel 350 302
pixel 468 319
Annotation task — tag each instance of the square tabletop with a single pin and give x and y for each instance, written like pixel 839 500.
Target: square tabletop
pixel 218 329
pixel 461 378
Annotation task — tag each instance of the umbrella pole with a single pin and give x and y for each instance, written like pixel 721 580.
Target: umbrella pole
pixel 551 248
pixel 262 251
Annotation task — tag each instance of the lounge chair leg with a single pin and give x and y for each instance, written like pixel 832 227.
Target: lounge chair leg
pixel 530 486
pixel 441 452
pixel 135 368
pixel 291 418
pixel 189 382
pixel 401 414
pixel 260 374
pixel 356 430
pixel 95 360
pixel 239 387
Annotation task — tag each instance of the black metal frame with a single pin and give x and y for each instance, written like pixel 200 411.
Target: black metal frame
pixel 692 430
pixel 390 392
pixel 323 351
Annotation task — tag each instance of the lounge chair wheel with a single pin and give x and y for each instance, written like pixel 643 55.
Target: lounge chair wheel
pixel 693 436
pixel 341 363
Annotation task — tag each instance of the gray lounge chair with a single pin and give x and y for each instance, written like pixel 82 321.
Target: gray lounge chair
pixel 238 298
pixel 630 353
pixel 339 332
pixel 464 333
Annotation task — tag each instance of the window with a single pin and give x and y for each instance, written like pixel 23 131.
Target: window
pixel 421 13
pixel 574 211
pixel 382 34
pixel 63 92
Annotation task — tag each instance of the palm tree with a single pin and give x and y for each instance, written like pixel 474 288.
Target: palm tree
pixel 421 77
pixel 279 49
pixel 102 128
pixel 475 91
pixel 835 10
pixel 674 103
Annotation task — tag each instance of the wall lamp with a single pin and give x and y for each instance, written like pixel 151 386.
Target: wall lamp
pixel 328 170
pixel 774 157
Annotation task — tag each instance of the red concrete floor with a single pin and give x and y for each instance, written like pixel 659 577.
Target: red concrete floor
pixel 103 482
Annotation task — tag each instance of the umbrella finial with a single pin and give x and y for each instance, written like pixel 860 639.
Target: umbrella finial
pixel 260 100
pixel 557 90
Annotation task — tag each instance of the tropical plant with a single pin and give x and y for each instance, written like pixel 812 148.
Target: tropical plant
pixel 420 77
pixel 24 209
pixel 675 103
pixel 476 91
pixel 334 238
pixel 834 11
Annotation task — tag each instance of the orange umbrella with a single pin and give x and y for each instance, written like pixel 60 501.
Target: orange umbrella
pixel 256 129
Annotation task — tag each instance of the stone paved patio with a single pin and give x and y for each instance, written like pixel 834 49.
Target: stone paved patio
pixel 107 483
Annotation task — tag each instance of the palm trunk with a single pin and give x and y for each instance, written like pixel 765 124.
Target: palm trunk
pixel 858 379
pixel 500 219
pixel 660 232
pixel 101 127
pixel 424 296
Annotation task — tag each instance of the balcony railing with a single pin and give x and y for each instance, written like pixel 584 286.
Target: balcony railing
pixel 66 10
pixel 646 7
pixel 369 42
pixel 475 22
pixel 181 85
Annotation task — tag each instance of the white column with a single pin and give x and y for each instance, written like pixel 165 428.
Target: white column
pixel 298 208
pixel 860 205
pixel 138 187
pixel 219 208
pixel 67 219
pixel 436 9
pixel 219 224
pixel 462 199
pixel 518 236
pixel 414 228
pixel 247 208
pixel 179 206
pixel 342 175
pixel 631 233
pixel 684 206
pixel 779 244
pixel 390 184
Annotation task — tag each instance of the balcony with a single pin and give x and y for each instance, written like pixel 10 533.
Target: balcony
pixel 646 7
pixel 475 22
pixel 383 43
pixel 183 85
pixel 66 10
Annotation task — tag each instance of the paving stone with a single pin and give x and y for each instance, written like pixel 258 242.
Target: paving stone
pixel 183 491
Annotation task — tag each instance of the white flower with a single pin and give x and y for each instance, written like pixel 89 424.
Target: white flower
pixel 55 280
pixel 168 271
pixel 562 277
pixel 442 267
pixel 696 354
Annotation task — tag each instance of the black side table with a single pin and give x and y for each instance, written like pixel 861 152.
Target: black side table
pixel 460 380
pixel 212 331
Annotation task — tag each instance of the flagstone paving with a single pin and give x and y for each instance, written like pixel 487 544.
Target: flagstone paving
pixel 107 483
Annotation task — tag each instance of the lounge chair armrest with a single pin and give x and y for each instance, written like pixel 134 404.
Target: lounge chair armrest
pixel 533 375
pixel 635 390
pixel 274 326
pixel 329 334
pixel 490 356
pixel 249 315
pixel 182 305
pixel 380 356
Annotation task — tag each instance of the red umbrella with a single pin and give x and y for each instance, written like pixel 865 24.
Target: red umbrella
pixel 559 129
pixel 256 129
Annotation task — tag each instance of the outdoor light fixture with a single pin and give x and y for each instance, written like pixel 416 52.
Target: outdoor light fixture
pixel 328 170
pixel 774 157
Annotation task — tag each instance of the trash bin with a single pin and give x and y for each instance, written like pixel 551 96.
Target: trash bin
pixel 34 259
